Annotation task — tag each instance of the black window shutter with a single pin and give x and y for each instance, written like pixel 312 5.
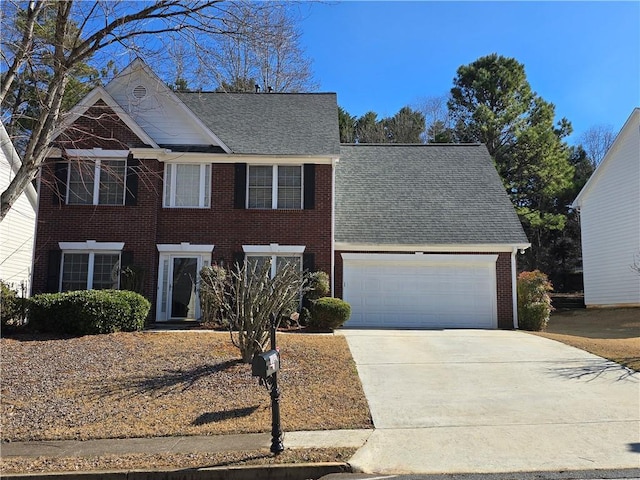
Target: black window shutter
pixel 309 186
pixel 53 271
pixel 308 262
pixel 131 195
pixel 61 169
pixel 126 260
pixel 240 192
pixel 238 260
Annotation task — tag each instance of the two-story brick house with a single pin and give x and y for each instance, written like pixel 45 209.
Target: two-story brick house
pixel 169 182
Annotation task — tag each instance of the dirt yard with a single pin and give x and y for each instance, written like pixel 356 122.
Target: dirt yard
pixel 170 383
pixel 612 333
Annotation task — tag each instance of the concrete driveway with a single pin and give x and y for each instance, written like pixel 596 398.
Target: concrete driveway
pixel 459 401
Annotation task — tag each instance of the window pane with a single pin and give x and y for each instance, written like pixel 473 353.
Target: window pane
pixel 260 186
pixel 281 262
pixel 112 182
pixel 289 187
pixel 187 185
pixel 106 271
pixel 256 265
pixel 74 271
pixel 81 178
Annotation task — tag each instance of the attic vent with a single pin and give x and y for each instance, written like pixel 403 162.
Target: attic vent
pixel 140 92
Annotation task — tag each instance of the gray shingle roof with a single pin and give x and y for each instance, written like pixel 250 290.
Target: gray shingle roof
pixel 422 195
pixel 270 124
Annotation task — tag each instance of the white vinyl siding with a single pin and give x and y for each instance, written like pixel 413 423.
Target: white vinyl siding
pixel 162 118
pixel 18 226
pixel 610 224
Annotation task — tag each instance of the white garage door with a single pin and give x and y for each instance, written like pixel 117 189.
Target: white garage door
pixel 420 291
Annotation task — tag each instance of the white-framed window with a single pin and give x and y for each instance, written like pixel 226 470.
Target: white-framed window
pixel 97 182
pixel 280 255
pixel 187 185
pixel 274 186
pixel 90 265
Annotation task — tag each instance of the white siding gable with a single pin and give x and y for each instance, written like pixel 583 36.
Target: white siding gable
pixel 610 221
pixel 156 109
pixel 18 226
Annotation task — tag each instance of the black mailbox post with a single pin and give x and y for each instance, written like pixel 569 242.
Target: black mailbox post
pixel 266 366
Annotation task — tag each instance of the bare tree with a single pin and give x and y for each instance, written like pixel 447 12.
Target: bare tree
pixel 437 119
pixel 252 295
pixel 270 57
pixel 57 37
pixel 596 142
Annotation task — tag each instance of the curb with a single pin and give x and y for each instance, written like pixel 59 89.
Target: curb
pixel 303 471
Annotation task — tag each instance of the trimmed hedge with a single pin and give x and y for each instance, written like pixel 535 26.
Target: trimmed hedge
pixel 88 312
pixel 329 313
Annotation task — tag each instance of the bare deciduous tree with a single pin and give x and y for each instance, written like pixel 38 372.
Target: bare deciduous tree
pixel 53 39
pixel 253 295
pixel 596 142
pixel 437 119
pixel 270 57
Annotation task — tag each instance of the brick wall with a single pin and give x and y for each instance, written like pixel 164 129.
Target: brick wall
pixel 228 228
pixel 99 127
pixel 503 280
pixel 146 224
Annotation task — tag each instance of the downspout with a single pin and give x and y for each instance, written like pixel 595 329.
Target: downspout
pixel 514 287
pixel 35 231
pixel 334 162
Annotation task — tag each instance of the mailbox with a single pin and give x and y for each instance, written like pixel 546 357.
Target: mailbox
pixel 265 364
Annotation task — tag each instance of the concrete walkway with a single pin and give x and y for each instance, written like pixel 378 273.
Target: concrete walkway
pixel 187 444
pixel 492 401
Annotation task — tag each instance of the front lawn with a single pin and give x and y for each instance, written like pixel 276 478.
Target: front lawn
pixel 170 383
pixel 612 333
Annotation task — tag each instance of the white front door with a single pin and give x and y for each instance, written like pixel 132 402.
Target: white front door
pixel 178 276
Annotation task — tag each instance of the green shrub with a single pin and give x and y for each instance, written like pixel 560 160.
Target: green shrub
pixel 88 312
pixel 534 302
pixel 140 307
pixel 329 313
pixel 317 285
pixel 12 308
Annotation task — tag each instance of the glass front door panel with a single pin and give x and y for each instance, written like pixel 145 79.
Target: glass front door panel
pixel 183 292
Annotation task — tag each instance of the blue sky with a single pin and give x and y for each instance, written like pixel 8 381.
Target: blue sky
pixel 584 57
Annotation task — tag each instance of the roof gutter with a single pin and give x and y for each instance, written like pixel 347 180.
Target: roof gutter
pixel 167 155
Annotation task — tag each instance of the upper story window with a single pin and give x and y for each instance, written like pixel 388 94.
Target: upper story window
pixel 99 182
pixel 187 185
pixel 274 186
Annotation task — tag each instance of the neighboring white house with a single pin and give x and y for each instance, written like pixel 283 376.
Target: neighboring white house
pixel 17 229
pixel 609 206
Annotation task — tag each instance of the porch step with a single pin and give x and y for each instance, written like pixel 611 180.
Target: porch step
pixel 182 325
